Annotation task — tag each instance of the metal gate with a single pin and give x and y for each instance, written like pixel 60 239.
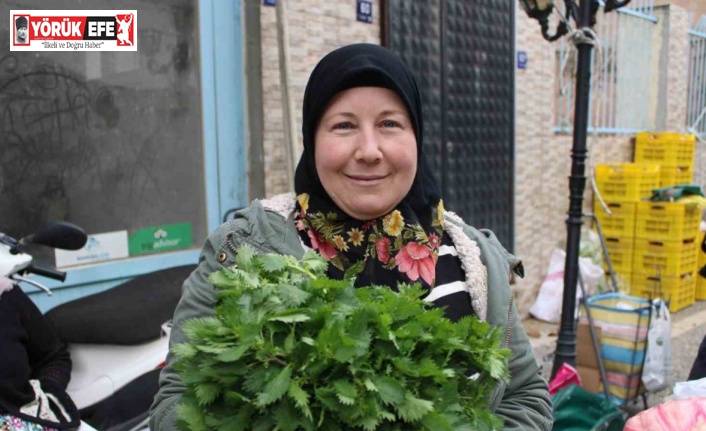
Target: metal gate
pixel 621 69
pixel 462 53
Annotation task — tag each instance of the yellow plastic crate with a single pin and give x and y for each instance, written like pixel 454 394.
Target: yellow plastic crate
pixel 665 148
pixel 666 257
pixel 626 182
pixel 700 294
pixel 675 175
pixel 700 281
pixel 679 291
pixel 620 251
pixel 667 220
pixel 622 221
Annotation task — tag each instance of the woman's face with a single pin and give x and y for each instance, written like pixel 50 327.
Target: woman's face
pixel 366 151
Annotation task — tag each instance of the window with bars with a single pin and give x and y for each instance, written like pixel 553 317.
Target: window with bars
pixel 622 99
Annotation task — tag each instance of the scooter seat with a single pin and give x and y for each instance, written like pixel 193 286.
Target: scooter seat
pixel 128 314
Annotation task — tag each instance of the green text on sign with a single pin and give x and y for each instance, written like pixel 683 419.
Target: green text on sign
pixel 159 239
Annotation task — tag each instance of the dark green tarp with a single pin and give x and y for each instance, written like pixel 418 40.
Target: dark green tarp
pixel 576 409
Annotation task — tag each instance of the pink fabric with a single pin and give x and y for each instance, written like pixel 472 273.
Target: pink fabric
pixel 677 415
pixel 566 376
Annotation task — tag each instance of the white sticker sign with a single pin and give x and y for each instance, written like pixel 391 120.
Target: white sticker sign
pixel 99 247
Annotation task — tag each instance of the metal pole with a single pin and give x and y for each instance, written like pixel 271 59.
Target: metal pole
pixel 566 342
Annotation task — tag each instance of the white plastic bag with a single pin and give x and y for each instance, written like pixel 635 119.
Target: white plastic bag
pixel 547 306
pixel 692 388
pixel 658 362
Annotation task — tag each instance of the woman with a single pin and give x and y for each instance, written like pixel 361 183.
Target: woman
pixel 34 368
pixel 364 192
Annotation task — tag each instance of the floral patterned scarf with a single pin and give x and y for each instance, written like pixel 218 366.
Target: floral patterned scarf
pixel 393 248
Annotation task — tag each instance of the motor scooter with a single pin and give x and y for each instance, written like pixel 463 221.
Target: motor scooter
pixel 15 263
pixel 118 339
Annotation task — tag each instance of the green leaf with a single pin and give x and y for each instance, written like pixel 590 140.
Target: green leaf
pixel 184 350
pixel 256 379
pixel 369 423
pixel 301 399
pixel 327 397
pixel 352 272
pixel 435 422
pixel 191 417
pixel 201 327
pixel 276 388
pixel 233 354
pixel 390 390
pixel 244 258
pixel 293 296
pixel 414 408
pixel 345 391
pixel 207 393
pixel 285 415
pixel 290 318
pixel 272 262
pixel 314 262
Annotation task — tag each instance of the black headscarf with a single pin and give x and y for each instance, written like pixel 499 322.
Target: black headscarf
pixel 362 65
pixel 325 227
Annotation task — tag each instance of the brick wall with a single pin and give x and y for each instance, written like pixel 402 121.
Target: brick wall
pixel 315 27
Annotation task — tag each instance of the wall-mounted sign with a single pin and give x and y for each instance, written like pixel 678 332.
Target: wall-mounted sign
pixel 99 247
pixel 159 239
pixel 521 59
pixel 269 2
pixel 365 11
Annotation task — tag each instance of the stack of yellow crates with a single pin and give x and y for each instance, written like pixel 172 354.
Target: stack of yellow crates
pixel 665 256
pixel 700 280
pixel 622 187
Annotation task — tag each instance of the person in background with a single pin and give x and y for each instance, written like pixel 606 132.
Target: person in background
pixel 365 193
pixel 35 368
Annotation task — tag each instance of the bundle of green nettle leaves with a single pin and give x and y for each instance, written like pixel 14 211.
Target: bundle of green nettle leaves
pixel 290 349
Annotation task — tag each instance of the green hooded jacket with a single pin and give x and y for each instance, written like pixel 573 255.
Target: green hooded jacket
pixel 268 227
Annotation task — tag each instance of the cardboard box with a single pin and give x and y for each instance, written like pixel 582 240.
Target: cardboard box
pixel 585 353
pixel 590 378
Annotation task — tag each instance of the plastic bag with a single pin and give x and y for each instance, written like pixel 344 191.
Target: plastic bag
pixel 576 409
pixel 547 306
pixel 565 376
pixel 658 360
pixel 675 415
pixel 692 388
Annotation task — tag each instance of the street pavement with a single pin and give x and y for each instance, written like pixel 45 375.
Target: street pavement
pixel 688 329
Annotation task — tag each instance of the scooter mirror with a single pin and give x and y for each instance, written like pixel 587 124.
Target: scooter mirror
pixel 58 234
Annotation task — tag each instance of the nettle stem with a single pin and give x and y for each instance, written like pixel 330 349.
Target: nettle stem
pixel 302 271
pixel 277 361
